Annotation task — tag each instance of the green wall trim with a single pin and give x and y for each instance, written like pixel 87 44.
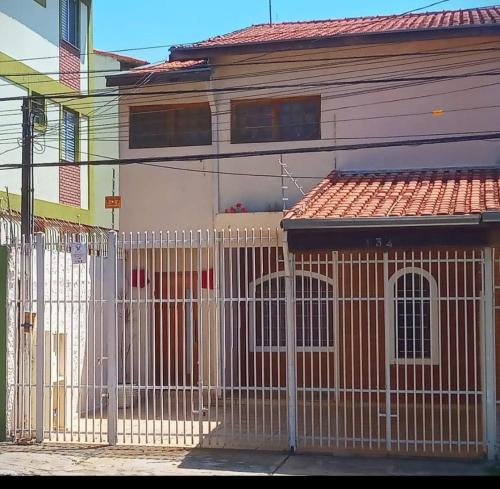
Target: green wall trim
pixel 51 210
pixel 3 343
pixel 33 80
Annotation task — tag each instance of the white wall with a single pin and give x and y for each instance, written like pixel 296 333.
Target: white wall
pixel 31 31
pixel 154 199
pixel 159 199
pixel 105 120
pixel 10 132
pixel 46 147
pixel 84 156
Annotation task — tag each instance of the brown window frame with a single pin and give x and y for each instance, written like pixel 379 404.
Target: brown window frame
pixel 276 103
pixel 170 142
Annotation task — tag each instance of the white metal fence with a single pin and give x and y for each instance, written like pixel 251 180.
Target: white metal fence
pixel 226 339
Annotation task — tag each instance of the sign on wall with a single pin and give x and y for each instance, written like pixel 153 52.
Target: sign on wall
pixel 79 253
pixel 113 202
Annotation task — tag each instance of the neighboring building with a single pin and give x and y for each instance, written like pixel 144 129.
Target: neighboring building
pixel 44 50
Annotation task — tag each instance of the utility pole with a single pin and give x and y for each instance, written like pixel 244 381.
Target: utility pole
pixel 27 171
pixel 271 12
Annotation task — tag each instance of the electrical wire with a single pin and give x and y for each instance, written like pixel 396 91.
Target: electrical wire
pixel 235 155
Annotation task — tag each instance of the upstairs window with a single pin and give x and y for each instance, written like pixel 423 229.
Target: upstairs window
pixel 169 126
pixel 259 121
pixel 69 139
pixel 70 22
pixel 40 112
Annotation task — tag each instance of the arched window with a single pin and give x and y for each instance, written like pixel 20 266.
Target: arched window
pixel 413 315
pixel 314 319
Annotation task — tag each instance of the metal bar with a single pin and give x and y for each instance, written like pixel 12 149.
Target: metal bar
pixel 489 356
pixel 110 316
pixel 387 320
pixel 291 345
pixel 40 336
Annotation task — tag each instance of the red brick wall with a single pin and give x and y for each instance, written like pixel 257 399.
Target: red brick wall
pixel 69 65
pixel 69 185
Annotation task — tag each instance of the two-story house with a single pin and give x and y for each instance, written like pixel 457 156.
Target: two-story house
pixel 389 127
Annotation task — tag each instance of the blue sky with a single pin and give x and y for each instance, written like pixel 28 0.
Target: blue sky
pixel 123 24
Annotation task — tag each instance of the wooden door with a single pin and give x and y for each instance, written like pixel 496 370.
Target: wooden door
pixel 176 329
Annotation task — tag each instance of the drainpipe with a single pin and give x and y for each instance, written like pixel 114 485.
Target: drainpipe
pixel 291 341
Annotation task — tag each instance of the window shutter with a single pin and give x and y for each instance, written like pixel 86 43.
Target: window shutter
pixel 64 20
pixel 70 133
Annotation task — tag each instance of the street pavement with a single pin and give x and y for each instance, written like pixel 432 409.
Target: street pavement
pixel 58 460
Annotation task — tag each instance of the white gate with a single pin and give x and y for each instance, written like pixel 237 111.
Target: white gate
pixel 396 357
pixel 225 339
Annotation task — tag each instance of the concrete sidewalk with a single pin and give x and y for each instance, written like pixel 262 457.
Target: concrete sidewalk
pixel 51 459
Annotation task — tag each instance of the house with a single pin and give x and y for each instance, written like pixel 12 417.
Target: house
pixel 361 319
pixel 47 48
pixel 389 259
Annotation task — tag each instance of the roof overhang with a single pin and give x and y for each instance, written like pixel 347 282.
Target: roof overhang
pixel 390 222
pixel 180 53
pixel 158 78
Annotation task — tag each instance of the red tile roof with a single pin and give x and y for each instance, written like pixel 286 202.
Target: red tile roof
pixel 168 66
pixel 402 193
pixel 121 58
pixel 295 31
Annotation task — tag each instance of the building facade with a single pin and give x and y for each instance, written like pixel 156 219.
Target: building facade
pixel 47 49
pixel 337 83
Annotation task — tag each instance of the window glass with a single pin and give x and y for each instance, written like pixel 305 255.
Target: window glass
pixel 276 120
pixel 314 313
pixel 69 136
pixel 413 317
pixel 158 127
pixel 254 122
pixel 70 21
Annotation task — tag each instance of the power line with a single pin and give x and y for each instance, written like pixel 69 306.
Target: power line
pixel 258 87
pixel 147 68
pixel 245 154
pixel 423 70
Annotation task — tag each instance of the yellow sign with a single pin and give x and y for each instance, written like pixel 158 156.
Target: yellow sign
pixel 113 202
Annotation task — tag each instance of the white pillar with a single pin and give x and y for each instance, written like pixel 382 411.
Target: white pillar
pixel 40 334
pixel 489 356
pixel 109 289
pixel 291 342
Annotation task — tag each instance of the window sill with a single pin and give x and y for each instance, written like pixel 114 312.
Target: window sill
pixel 72 46
pixel 276 141
pixel 414 361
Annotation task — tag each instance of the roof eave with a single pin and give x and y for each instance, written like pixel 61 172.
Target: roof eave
pixel 126 79
pixel 199 52
pixel 384 222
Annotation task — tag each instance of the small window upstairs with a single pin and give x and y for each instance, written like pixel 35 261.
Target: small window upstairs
pixel 70 22
pixel 69 137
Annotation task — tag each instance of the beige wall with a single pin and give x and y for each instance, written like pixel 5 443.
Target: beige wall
pixel 157 199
